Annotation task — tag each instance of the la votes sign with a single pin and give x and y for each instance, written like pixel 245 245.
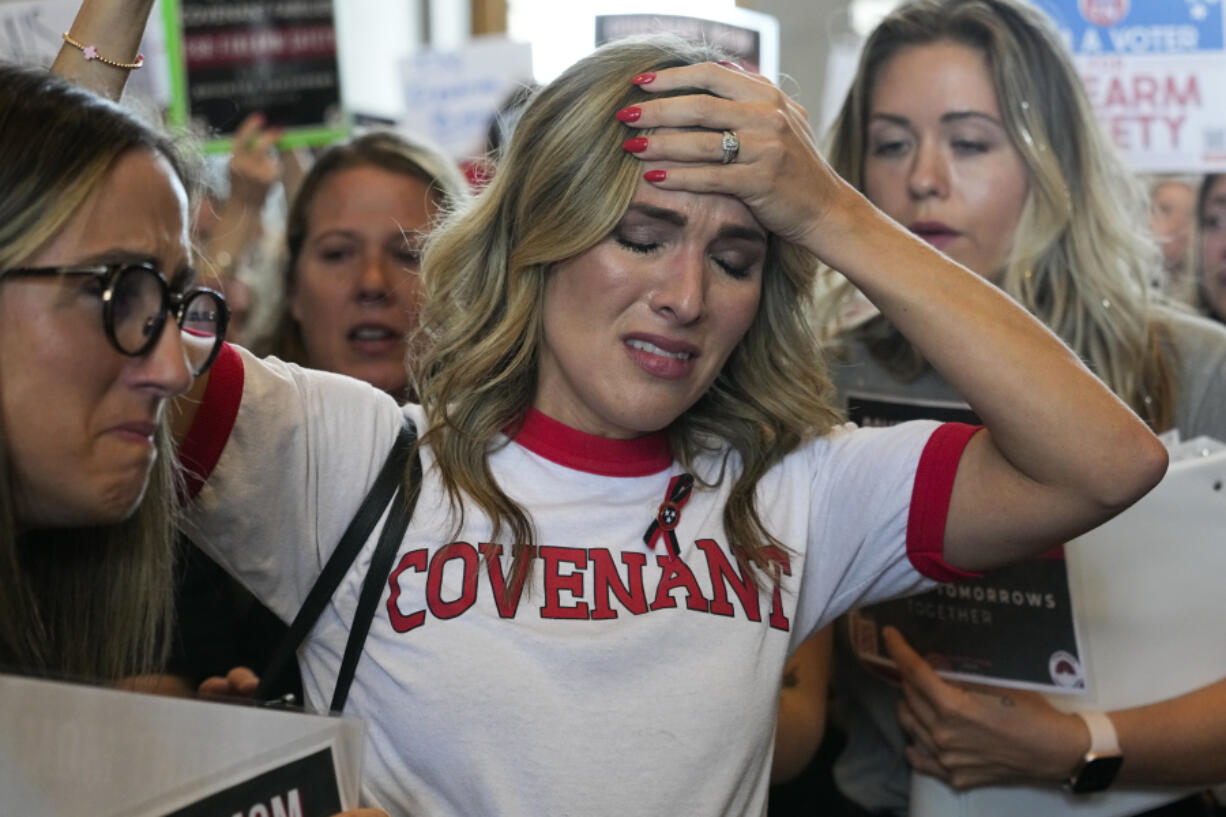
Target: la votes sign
pixel 1155 71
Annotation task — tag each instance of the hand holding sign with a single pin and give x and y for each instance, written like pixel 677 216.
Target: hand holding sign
pixel 971 736
pixel 239 682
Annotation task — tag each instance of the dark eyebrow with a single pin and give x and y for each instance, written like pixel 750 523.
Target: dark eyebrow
pixel 893 119
pixel 947 118
pixel 959 116
pixel 743 233
pixel 180 279
pixel 339 232
pixel 408 235
pixel 118 256
pixel 679 220
pixel 661 213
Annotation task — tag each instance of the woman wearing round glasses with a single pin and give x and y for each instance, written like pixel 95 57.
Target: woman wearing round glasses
pixel 99 327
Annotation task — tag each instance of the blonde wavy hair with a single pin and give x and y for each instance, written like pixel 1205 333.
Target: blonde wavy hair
pixel 1082 257
pixel 91 604
pixel 562 186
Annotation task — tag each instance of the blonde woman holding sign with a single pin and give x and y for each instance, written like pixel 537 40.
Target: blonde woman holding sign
pixel 967 124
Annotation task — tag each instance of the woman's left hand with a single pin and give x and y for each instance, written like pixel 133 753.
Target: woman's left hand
pixel 778 171
pixel 979 735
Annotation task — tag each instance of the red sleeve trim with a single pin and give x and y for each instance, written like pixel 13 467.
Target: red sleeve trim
pixel 214 420
pixel 930 496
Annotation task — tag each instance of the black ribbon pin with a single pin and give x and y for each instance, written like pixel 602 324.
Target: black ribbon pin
pixel 669 514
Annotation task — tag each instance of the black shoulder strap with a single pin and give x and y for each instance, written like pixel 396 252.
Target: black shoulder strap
pixel 387 483
pixel 376 576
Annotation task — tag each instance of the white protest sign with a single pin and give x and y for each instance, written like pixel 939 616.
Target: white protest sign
pixel 70 749
pixel 1147 591
pixel 1155 71
pixel 451 96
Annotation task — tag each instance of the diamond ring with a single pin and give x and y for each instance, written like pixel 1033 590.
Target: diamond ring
pixel 731 146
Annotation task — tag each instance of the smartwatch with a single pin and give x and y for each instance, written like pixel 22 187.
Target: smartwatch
pixel 1102 762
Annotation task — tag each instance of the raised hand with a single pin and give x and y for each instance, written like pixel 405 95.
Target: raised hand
pixel 777 170
pixel 254 165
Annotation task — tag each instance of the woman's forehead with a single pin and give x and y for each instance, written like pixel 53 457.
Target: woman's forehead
pixel 139 209
pixel 937 76
pixel 708 209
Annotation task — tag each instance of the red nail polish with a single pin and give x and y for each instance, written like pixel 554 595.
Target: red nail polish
pixel 630 114
pixel 645 79
pixel 638 144
pixel 730 64
pixel 655 175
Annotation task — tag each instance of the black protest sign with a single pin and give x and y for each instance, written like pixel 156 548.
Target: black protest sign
pixel 740 42
pixel 1012 625
pixel 232 58
pixel 300 788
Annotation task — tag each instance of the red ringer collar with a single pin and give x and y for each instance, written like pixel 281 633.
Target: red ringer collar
pixel 562 444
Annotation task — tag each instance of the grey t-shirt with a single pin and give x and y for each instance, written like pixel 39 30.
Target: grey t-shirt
pixel 872 770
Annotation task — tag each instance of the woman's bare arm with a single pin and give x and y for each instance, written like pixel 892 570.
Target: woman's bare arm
pixel 1061 453
pixel 802 706
pixel 115 28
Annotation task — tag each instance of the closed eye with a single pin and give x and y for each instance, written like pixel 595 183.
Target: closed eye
pixel 634 246
pixel 334 255
pixel 969 146
pixel 410 258
pixel 736 270
pixel 92 285
pixel 890 148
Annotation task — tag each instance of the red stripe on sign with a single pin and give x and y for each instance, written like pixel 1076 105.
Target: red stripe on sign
pixel 235 46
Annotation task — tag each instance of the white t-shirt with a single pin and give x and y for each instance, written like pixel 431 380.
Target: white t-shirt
pixel 621 680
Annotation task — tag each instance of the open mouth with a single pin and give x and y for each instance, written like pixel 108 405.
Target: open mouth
pixel 652 349
pixel 373 333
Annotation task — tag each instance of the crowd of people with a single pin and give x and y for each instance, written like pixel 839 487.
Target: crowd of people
pixel 640 516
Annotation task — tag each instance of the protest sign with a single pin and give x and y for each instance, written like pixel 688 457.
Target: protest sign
pixel 1155 72
pixel 451 96
pixel 750 38
pixel 1013 626
pixel 1147 589
pixel 71 749
pixel 232 58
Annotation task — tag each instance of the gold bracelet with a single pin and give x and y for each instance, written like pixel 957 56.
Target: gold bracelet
pixel 91 53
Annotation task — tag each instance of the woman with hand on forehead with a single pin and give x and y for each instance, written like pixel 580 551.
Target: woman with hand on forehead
pixel 635 497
